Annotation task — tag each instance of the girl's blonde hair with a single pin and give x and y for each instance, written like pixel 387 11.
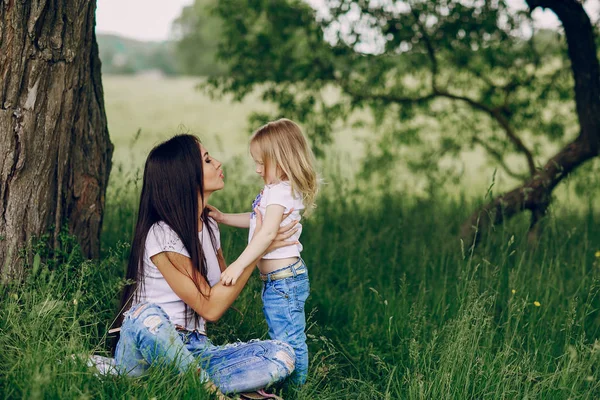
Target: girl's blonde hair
pixel 282 142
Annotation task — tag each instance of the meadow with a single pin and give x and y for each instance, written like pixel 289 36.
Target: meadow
pixel 400 308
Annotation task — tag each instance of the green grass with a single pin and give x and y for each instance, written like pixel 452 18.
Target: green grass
pixel 399 307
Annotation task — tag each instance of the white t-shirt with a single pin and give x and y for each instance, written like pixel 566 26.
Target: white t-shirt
pixel 279 193
pixel 156 289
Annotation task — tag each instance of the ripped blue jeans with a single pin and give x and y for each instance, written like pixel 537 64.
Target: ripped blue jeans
pixel 149 338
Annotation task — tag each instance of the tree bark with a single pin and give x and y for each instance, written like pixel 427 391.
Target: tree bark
pixel 535 194
pixel 55 152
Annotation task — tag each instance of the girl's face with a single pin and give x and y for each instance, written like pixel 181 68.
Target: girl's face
pixel 269 175
pixel 212 172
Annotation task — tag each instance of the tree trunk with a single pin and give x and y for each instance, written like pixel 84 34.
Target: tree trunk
pixel 55 152
pixel 535 194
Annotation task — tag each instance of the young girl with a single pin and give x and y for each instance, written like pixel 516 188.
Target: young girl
pixel 285 162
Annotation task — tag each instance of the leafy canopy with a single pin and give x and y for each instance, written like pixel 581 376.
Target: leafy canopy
pixel 478 69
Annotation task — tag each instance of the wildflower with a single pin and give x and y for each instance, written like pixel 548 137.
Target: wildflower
pixel 75 301
pixel 513 291
pixel 597 254
pixel 536 303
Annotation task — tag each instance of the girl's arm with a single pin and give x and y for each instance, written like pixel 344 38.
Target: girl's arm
pixel 210 303
pixel 257 246
pixel 236 220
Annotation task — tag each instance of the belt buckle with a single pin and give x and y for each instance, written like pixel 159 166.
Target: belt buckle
pixel 285 272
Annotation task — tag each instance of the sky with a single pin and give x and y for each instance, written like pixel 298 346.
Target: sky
pixel 151 19
pixel 138 19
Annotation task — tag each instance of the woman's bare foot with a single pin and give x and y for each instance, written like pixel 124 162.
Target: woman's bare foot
pixel 212 388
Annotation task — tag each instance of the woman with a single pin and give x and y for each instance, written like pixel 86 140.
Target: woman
pixel 175 265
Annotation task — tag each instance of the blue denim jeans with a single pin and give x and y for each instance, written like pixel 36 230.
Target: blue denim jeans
pixel 283 305
pixel 149 338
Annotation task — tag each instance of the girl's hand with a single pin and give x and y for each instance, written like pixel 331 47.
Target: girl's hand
pixel 284 232
pixel 230 276
pixel 215 214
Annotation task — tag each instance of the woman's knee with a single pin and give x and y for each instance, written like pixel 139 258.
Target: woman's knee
pixel 146 317
pixel 285 355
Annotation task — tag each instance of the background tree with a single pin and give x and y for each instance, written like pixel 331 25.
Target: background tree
pixel 199 32
pixel 56 152
pixel 125 56
pixel 479 68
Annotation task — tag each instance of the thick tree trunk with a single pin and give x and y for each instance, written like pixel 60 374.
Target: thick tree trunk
pixel 55 152
pixel 535 194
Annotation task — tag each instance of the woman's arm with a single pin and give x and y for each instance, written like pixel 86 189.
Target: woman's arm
pixel 257 246
pixel 221 260
pixel 211 303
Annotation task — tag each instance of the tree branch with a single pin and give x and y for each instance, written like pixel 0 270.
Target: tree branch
pixel 495 113
pixel 499 159
pixel 386 97
pixel 429 46
pixel 584 64
pixel 481 76
pixel 501 119
pixel 535 194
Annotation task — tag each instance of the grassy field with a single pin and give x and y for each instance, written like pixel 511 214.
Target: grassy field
pixel 160 107
pixel 399 307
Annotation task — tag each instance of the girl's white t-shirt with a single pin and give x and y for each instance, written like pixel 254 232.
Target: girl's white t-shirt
pixel 279 193
pixel 155 288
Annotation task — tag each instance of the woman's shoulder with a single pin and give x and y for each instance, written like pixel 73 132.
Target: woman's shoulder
pixel 161 237
pixel 160 229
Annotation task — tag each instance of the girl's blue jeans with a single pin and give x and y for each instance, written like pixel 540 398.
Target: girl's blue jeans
pixel 283 306
pixel 149 338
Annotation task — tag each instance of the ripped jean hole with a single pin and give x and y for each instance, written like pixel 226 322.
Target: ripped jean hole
pixel 135 313
pixel 152 323
pixel 286 359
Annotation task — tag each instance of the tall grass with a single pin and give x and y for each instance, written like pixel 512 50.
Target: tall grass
pixel 399 307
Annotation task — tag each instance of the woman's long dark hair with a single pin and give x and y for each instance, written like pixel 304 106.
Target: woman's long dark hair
pixel 173 180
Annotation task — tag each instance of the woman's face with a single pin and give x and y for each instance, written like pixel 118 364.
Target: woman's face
pixel 213 174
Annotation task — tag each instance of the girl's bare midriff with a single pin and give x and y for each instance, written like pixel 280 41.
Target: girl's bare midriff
pixel 267 266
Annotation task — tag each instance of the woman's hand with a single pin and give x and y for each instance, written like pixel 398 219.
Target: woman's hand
pixel 215 214
pixel 284 232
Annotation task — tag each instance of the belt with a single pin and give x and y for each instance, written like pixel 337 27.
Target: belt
pixel 180 328
pixel 286 272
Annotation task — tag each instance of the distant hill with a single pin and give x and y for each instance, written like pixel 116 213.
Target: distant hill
pixel 120 55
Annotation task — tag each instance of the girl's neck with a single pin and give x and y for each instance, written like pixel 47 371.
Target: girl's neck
pixel 276 181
